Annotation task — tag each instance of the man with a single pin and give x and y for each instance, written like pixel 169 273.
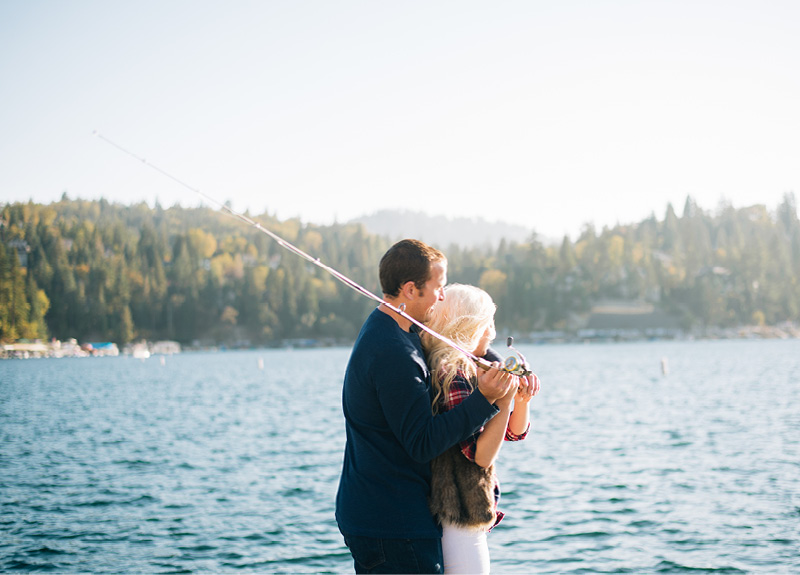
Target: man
pixel 381 505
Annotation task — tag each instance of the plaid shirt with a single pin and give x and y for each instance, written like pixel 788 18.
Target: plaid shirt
pixel 460 389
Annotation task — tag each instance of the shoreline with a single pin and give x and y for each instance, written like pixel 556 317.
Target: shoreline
pixel 144 350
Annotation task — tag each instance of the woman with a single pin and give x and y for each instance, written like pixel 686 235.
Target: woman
pixel 464 487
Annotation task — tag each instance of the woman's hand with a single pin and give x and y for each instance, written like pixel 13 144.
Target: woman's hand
pixel 529 386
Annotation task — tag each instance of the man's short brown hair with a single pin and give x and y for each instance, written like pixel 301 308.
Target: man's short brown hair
pixel 407 260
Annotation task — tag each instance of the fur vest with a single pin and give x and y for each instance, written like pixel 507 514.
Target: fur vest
pixel 462 492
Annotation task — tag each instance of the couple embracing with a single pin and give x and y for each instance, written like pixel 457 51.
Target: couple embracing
pixel 424 425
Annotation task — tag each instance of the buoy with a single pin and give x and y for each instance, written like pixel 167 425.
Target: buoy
pixel 664 366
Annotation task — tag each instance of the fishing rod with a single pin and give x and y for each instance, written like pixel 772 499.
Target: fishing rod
pixel 511 364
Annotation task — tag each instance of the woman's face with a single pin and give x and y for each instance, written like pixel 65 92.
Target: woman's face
pixel 486 339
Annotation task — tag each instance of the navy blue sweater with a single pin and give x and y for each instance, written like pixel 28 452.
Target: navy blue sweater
pixel 392 435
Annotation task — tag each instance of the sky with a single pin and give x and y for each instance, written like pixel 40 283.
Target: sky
pixel 550 115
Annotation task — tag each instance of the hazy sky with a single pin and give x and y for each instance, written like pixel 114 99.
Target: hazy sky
pixel 549 114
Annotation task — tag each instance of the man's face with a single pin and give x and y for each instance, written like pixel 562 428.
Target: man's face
pixel 431 294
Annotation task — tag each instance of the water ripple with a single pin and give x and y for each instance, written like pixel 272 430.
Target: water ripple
pixel 210 464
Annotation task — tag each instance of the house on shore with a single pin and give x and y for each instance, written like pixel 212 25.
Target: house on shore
pixel 614 320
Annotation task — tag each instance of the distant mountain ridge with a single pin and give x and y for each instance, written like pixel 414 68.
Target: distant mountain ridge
pixel 441 231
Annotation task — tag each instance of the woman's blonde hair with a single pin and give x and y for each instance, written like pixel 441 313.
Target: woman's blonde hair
pixel 463 316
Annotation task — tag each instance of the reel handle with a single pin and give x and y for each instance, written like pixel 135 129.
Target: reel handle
pixel 512 364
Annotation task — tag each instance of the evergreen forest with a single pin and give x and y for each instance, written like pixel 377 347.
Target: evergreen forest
pixel 98 271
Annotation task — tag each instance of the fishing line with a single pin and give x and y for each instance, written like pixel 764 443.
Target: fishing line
pixel 316 261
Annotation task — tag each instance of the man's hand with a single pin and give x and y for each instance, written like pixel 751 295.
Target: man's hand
pixel 495 383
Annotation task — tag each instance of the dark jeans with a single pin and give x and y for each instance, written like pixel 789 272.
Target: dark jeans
pixel 372 555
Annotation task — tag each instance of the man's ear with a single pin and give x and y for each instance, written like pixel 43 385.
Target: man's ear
pixel 408 290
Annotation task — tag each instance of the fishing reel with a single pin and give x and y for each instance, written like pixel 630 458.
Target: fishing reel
pixel 516 366
pixel 516 363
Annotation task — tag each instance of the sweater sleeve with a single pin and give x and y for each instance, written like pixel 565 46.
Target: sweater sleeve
pixel 404 396
pixel 460 390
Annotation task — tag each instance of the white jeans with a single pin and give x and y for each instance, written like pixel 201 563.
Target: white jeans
pixel 464 550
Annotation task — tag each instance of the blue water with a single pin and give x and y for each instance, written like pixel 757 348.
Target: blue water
pixel 209 463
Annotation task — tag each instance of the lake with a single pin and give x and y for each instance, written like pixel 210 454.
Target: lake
pixel 229 462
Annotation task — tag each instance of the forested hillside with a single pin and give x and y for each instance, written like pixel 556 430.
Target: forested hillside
pixel 99 271
pixel 442 231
